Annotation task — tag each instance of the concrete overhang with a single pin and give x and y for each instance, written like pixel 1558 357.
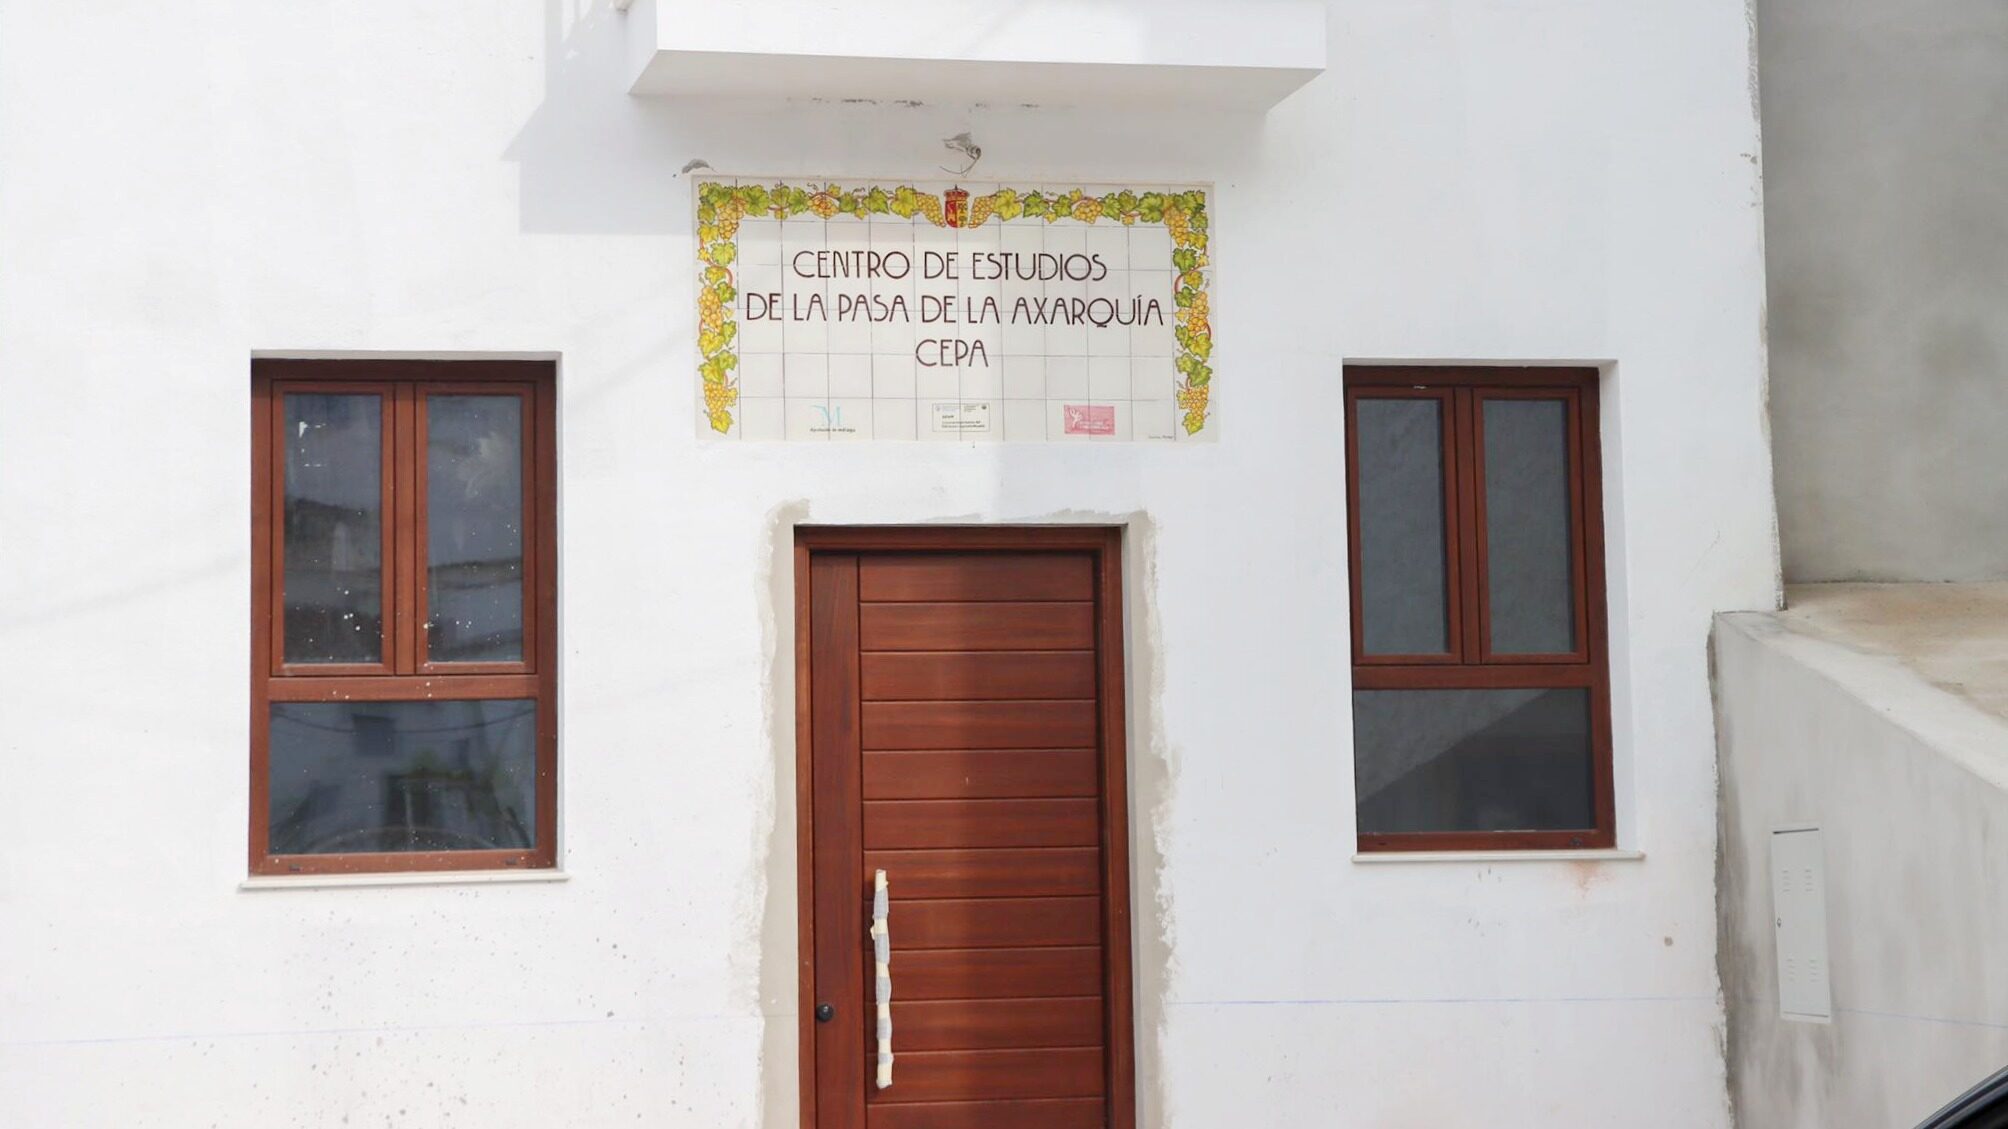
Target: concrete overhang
pixel 1244 55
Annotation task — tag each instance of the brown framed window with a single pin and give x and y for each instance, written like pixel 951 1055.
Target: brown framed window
pixel 403 616
pixel 1481 679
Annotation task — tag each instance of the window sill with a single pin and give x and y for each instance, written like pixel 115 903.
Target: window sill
pixel 429 878
pixel 1610 854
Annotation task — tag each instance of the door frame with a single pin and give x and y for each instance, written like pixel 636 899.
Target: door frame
pixel 1104 543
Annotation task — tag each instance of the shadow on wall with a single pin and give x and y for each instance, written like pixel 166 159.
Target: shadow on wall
pixel 594 159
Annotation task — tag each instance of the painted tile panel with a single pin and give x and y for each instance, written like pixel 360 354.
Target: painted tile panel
pixel 953 313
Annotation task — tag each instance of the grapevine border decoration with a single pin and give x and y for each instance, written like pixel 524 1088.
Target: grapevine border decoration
pixel 721 205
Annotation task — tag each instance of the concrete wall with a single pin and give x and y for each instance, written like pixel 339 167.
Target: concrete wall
pixel 1909 786
pixel 186 185
pixel 1885 149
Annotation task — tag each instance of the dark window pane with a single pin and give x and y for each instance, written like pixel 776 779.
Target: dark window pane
pixel 403 776
pixel 1473 760
pixel 333 580
pixel 474 528
pixel 1528 548
pixel 1403 610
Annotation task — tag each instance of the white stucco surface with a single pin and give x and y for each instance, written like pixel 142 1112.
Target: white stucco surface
pixel 1249 54
pixel 185 186
pixel 1886 145
pixel 1840 714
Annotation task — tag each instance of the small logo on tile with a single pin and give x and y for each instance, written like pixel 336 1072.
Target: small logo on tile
pixel 833 422
pixel 1089 419
pixel 962 417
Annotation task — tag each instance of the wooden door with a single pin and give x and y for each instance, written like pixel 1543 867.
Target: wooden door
pixel 962 724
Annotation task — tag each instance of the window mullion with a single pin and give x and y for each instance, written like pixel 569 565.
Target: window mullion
pixel 1470 527
pixel 404 500
pixel 1579 527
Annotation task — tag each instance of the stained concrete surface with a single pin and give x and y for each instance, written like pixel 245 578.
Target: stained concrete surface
pixel 1885 153
pixel 1954 636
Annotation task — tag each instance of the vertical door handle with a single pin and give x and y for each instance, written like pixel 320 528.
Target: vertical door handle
pixel 882 972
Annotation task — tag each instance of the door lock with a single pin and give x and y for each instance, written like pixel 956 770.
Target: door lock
pixel 825 1013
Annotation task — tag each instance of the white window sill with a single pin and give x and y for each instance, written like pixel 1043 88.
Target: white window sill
pixel 1600 855
pixel 432 878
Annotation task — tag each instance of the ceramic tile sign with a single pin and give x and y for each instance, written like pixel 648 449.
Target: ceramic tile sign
pixel 852 310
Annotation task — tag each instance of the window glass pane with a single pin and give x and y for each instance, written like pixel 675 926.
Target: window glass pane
pixel 1528 548
pixel 1403 606
pixel 402 776
pixel 1473 760
pixel 474 528
pixel 333 580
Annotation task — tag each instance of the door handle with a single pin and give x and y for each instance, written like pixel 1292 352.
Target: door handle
pixel 882 974
pixel 825 1013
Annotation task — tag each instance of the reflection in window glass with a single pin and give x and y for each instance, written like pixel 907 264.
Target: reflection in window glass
pixel 1473 760
pixel 1403 605
pixel 402 776
pixel 333 575
pixel 1528 548
pixel 474 528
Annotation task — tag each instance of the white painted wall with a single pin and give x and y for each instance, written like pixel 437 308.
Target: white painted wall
pixel 184 185
pixel 1909 788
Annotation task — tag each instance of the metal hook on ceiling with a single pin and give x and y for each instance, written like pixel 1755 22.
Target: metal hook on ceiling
pixel 966 145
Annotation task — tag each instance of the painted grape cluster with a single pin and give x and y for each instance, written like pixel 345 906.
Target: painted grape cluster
pixel 720 208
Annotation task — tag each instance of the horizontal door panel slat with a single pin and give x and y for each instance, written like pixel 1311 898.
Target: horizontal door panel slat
pixel 973 1075
pixel 1061 1113
pixel 905 824
pixel 1046 872
pixel 975 576
pixel 978 773
pixel 933 675
pixel 989 974
pixel 988 1025
pixel 988 923
pixel 977 725
pixel 976 627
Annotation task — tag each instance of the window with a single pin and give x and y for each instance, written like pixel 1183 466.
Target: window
pixel 1481 690
pixel 404 616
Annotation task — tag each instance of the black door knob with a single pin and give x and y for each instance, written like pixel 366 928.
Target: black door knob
pixel 825 1013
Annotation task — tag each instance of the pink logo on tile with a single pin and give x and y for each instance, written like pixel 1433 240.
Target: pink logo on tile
pixel 1089 419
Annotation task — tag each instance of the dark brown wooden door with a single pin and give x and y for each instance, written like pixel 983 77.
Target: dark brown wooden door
pixel 964 724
